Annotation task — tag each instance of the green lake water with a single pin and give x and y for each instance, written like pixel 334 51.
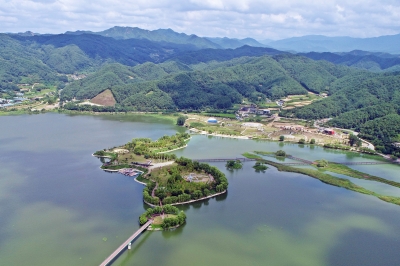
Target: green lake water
pixel 58 208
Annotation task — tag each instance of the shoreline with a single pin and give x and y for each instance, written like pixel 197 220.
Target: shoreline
pixel 186 140
pixel 190 201
pixel 196 131
pixel 218 135
pixel 168 117
pixel 162 152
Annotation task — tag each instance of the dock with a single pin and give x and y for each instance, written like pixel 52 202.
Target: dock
pixel 121 248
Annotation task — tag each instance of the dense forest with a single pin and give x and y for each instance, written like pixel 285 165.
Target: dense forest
pixel 216 85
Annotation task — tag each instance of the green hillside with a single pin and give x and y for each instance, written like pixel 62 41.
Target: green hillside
pixel 217 85
pixel 364 101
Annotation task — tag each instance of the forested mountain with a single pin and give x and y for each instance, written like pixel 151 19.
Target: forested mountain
pixel 360 59
pixel 214 84
pixel 129 52
pixel 44 58
pixel 19 63
pixel 363 101
pixel 319 43
pixel 207 55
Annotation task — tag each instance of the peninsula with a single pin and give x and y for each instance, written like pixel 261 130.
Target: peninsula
pixel 169 180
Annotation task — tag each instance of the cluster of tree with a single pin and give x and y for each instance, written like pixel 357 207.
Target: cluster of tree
pixel 167 222
pixel 179 190
pixel 280 153
pixel 234 164
pixel 181 120
pixel 336 146
pixel 150 149
pixel 354 140
pixel 220 182
pixel 366 150
pixel 322 163
pixel 260 167
pixel 6 86
pixel 148 198
pixel 171 222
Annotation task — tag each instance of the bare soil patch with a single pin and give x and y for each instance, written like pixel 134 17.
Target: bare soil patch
pixel 106 98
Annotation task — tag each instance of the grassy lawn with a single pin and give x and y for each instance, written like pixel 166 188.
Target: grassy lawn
pixel 158 220
pixel 131 157
pixel 233 116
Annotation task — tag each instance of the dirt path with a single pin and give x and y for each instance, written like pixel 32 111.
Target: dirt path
pixel 154 190
pixel 156 165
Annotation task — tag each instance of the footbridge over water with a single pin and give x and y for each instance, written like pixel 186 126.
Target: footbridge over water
pixel 121 248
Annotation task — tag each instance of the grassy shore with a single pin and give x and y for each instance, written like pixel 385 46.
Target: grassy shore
pixel 171 117
pixel 326 178
pixel 345 170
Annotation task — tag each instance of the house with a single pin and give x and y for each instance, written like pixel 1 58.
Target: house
pixel 19 99
pixel 280 102
pixel 329 131
pixel 248 109
pixel 264 112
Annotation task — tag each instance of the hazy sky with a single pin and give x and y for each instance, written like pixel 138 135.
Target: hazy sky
pixel 260 19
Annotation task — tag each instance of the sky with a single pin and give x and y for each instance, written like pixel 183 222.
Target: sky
pixel 259 19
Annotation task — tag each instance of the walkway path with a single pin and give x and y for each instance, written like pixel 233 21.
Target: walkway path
pixel 125 244
pixel 153 193
pixel 157 165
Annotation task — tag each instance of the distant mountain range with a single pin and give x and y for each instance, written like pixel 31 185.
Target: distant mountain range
pixel 360 59
pixel 304 44
pixel 168 35
pixel 318 43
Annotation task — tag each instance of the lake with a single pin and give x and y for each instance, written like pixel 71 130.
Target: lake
pixel 58 208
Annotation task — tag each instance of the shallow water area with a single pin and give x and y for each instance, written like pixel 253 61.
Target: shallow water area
pixel 58 208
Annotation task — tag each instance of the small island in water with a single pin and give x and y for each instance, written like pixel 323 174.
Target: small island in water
pixel 169 180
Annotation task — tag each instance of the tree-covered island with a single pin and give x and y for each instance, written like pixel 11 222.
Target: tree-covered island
pixel 143 151
pixel 169 180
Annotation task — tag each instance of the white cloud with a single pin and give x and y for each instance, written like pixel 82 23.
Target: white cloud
pixel 260 19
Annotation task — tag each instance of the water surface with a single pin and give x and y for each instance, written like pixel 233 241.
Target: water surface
pixel 58 208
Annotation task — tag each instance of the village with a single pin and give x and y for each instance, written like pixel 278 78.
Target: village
pixel 254 122
pixel 36 97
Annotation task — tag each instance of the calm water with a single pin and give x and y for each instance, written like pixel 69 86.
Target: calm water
pixel 58 208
